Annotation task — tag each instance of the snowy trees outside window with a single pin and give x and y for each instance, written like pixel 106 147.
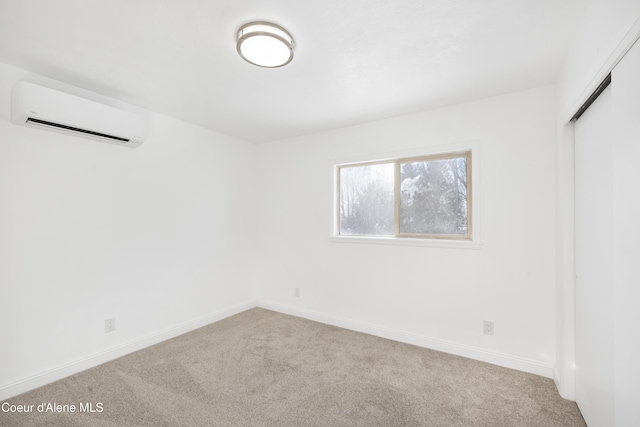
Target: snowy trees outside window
pixel 367 200
pixel 417 197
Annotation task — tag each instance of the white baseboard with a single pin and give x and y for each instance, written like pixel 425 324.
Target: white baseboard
pixel 42 378
pixel 501 359
pixel 514 362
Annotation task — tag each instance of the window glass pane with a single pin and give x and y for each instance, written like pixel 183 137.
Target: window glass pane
pixel 433 197
pixel 367 199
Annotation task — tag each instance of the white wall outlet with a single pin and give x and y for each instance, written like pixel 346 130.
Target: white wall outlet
pixel 296 292
pixel 488 327
pixel 110 324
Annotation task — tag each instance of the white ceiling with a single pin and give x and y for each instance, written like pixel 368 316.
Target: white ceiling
pixel 355 60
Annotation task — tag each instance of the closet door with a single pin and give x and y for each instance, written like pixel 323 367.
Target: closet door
pixel 626 236
pixel 607 203
pixel 594 263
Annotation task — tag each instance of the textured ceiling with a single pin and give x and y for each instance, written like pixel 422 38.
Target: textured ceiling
pixel 355 60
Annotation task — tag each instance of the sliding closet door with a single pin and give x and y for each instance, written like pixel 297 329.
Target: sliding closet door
pixel 594 263
pixel 607 164
pixel 626 236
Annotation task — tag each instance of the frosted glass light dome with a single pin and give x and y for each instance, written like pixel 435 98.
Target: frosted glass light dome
pixel 265 44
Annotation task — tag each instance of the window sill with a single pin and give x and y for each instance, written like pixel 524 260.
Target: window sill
pixel 408 241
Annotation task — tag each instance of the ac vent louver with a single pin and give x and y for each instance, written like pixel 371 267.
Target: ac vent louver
pixel 51 110
pixel 74 129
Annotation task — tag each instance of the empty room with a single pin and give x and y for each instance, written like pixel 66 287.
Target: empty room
pixel 319 213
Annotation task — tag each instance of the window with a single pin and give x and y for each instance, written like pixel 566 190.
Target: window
pixel 418 197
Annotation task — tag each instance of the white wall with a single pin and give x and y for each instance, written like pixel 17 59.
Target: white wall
pixel 431 296
pixel 608 30
pixel 158 237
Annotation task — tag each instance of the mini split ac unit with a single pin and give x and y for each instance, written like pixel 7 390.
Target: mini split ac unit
pixel 44 108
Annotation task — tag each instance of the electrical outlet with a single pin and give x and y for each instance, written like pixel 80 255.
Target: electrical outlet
pixel 110 325
pixel 296 292
pixel 488 327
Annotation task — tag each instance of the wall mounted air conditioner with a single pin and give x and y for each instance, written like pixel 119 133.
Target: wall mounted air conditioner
pixel 44 108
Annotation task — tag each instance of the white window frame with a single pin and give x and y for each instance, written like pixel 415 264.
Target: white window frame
pixel 427 153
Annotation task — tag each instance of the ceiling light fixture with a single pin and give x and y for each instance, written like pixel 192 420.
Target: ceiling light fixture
pixel 265 44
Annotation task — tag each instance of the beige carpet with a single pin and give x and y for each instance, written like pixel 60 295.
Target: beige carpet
pixel 262 368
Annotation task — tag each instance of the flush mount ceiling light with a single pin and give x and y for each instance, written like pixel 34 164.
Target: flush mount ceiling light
pixel 265 44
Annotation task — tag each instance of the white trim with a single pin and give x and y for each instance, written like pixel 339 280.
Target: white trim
pixel 565 267
pixel 45 377
pixel 616 56
pixel 430 150
pixel 531 366
pixel 408 241
pixel 556 378
pixel 426 150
